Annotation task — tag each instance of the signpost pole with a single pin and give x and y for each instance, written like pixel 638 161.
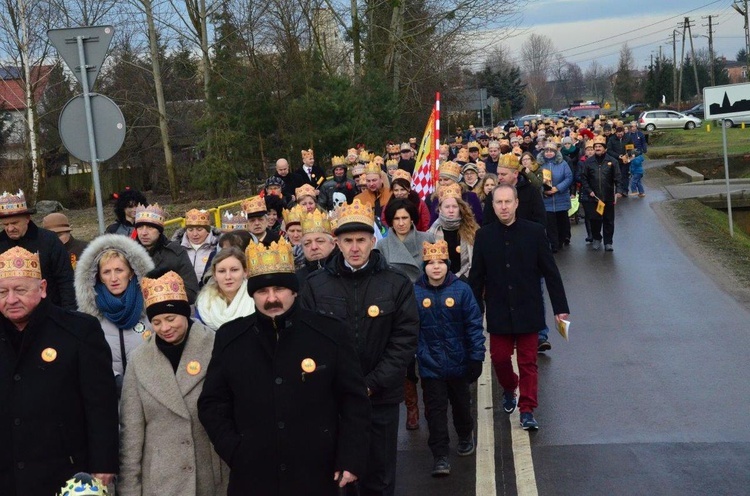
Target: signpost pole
pixel 726 177
pixel 90 128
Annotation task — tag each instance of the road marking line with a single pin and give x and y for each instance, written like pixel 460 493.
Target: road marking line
pixel 525 477
pixel 485 463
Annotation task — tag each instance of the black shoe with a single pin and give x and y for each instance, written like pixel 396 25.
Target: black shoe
pixel 442 467
pixel 466 445
pixel 589 241
pixel 543 346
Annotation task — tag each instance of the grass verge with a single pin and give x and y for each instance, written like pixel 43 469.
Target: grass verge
pixel 681 143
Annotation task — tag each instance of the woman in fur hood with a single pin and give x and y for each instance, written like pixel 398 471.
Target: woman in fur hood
pixel 107 286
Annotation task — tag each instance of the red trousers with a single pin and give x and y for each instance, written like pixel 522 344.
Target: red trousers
pixel 501 350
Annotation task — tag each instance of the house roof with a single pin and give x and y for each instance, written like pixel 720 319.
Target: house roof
pixel 12 86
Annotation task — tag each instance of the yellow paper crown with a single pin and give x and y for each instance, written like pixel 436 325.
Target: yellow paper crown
pixel 484 151
pixel 435 251
pixel 254 205
pixel 480 165
pixel 352 154
pixel 293 215
pixel 356 211
pixel 338 161
pixel 153 214
pixel 379 160
pixel 372 168
pixel 276 258
pixel 307 153
pixel 473 144
pixel 305 190
pixel 12 204
pixel 393 148
pixel 508 161
pixel 450 170
pixel 365 157
pixel 462 155
pixel 600 140
pixel 358 169
pixel 449 191
pixel 197 217
pixel 233 222
pixel 168 287
pixel 17 262
pixel 316 222
pixel 401 174
pixel 391 163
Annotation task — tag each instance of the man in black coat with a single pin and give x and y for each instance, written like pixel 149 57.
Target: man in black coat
pixel 284 401
pixel 377 303
pixel 20 230
pixel 309 172
pixel 291 181
pixel 601 181
pixel 530 202
pixel 618 145
pixel 59 224
pixel 510 258
pixel 58 401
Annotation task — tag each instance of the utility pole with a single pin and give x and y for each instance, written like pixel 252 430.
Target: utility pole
pixel 692 55
pixel 741 7
pixel 674 64
pixel 682 66
pixel 712 71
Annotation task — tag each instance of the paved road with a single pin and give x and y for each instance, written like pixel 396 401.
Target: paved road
pixel 651 395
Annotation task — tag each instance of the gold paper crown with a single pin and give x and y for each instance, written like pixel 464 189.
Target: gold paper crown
pixel 462 155
pixel 450 169
pixel 197 217
pixel 480 165
pixel 12 204
pixel 372 168
pixel 508 161
pixel 307 153
pixel 352 152
pixel 391 163
pixel 233 222
pixel 293 215
pixel 436 251
pixel 600 140
pixel 316 222
pixel 449 191
pixel 18 262
pixel 305 190
pixel 356 211
pixel 473 144
pixel 153 214
pixel 393 148
pixel 378 160
pixel 401 174
pixel 484 151
pixel 338 161
pixel 358 169
pixel 276 258
pixel 254 205
pixel 168 287
pixel 365 157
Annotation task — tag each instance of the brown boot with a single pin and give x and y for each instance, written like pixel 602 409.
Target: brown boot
pixel 412 405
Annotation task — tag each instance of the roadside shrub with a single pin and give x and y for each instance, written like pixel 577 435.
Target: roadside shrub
pixel 215 177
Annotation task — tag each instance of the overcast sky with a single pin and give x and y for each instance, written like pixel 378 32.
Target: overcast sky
pixel 587 30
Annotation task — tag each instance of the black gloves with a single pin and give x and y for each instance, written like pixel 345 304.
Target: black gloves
pixel 473 371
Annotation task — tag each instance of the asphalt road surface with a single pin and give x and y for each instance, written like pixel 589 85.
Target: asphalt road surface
pixel 650 396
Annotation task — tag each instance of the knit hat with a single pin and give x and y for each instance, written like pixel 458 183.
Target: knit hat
pixel 164 292
pixel 270 266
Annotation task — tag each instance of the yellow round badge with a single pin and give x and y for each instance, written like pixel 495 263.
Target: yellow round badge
pixel 193 367
pixel 146 335
pixel 449 302
pixel 458 249
pixel 426 303
pixel 308 365
pixel 373 311
pixel 49 355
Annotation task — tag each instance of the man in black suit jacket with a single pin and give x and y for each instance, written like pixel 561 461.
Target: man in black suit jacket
pixel 58 400
pixel 510 257
pixel 309 173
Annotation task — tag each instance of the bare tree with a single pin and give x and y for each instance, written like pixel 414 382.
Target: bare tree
pixel 536 64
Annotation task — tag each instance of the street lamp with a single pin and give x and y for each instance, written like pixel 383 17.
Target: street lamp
pixel 710 54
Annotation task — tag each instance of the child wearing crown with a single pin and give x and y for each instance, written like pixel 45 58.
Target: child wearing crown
pixel 450 353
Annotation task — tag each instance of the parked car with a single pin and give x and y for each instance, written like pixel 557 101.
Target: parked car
pixel 696 111
pixel 529 117
pixel 665 119
pixel 633 110
pixel 581 111
pixel 735 120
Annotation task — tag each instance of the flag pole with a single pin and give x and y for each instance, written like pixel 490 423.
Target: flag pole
pixel 436 148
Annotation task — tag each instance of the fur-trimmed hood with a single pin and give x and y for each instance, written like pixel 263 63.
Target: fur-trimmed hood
pixel 88 267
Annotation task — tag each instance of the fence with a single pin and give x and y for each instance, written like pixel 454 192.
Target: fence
pixel 216 212
pixel 70 188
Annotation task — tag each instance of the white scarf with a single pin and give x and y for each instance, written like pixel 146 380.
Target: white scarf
pixel 214 311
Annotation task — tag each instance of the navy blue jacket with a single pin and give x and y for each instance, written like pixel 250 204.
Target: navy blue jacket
pixel 450 328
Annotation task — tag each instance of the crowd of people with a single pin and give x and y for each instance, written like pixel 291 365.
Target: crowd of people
pixel 269 355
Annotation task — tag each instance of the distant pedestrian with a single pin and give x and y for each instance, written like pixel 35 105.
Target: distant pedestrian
pixel 636 174
pixel 59 224
pixel 600 181
pixel 126 202
pixel 450 353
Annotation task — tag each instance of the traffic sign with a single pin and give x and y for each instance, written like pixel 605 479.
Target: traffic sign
pixel 729 100
pixel 96 40
pixel 109 127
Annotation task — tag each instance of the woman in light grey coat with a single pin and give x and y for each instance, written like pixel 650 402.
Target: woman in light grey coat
pixel 107 286
pixel 402 247
pixel 164 449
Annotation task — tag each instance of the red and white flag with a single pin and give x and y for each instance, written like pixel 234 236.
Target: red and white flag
pixel 425 177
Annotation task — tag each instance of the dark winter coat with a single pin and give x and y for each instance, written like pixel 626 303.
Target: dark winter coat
pixel 55 261
pixel 616 146
pixel 170 255
pixel 377 304
pixel 75 248
pixel 291 183
pixel 407 164
pixel 530 204
pixel 57 417
pixel 508 263
pixel 283 431
pixel 601 174
pixel 346 187
pixel 318 176
pixel 451 331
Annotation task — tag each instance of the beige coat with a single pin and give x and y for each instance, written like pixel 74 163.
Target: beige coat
pixel 163 447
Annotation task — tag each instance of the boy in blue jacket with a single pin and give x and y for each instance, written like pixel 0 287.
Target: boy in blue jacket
pixel 450 353
pixel 636 174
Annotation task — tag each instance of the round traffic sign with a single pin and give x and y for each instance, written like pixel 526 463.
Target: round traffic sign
pixel 109 127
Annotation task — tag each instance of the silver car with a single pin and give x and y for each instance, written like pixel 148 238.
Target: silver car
pixel 664 119
pixel 735 120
